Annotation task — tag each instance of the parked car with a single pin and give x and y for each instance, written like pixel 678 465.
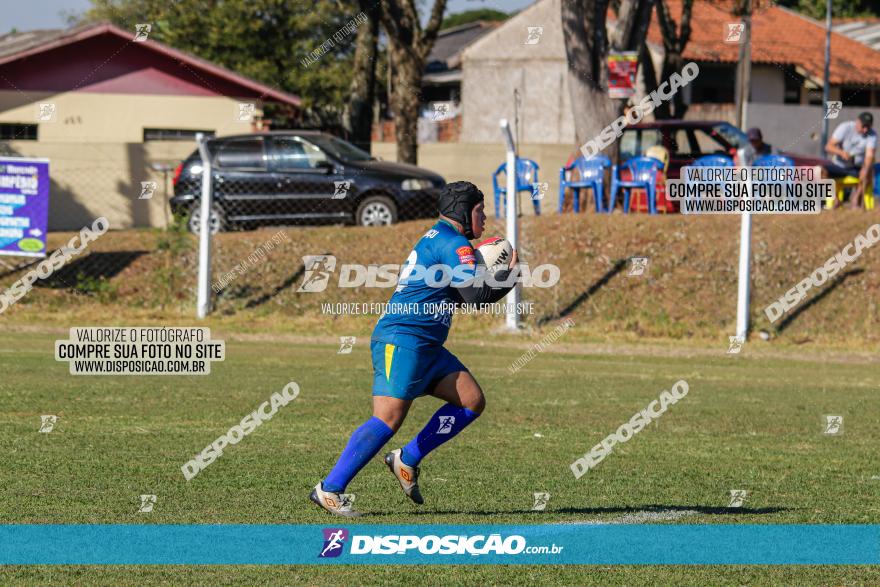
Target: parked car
pixel 688 140
pixel 301 177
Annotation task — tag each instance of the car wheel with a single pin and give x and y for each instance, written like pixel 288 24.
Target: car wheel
pixel 376 211
pixel 217 221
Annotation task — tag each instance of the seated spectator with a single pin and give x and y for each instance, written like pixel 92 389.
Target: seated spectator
pixel 757 141
pixel 852 147
pixel 640 198
pixel 660 154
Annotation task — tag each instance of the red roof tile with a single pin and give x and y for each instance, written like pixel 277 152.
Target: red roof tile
pixel 779 37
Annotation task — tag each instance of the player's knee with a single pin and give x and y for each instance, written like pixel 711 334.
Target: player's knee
pixel 476 404
pixel 391 419
pixel 394 422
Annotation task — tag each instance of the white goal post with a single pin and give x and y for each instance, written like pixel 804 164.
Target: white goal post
pixel 513 298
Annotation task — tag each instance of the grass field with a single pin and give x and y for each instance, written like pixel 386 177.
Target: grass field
pixel 749 422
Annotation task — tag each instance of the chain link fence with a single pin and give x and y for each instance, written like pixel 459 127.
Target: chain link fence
pixel 271 193
pixel 103 186
pixel 265 187
pixel 289 180
pixel 262 185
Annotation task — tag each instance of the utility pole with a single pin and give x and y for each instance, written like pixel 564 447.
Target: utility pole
pixel 826 86
pixel 743 87
pixel 744 68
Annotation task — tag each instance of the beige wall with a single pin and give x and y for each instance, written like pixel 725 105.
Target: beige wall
pixel 89 180
pixel 82 116
pixel 476 163
pixel 97 159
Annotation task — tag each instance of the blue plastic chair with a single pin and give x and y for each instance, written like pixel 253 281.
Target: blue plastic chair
pixel 643 171
pixel 876 186
pixel 526 178
pixel 773 161
pixel 592 172
pixel 713 161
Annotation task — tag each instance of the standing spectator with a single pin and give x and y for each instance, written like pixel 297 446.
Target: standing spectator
pixel 852 147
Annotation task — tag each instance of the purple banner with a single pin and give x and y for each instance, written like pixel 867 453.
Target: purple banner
pixel 24 206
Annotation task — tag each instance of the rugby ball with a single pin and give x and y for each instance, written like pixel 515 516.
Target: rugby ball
pixel 494 253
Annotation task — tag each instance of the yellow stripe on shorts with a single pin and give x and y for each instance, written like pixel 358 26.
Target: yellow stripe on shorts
pixel 389 357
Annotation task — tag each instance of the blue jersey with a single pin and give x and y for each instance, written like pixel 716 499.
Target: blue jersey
pixel 419 313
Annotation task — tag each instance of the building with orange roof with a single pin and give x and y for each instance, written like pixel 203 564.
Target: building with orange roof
pixel 504 76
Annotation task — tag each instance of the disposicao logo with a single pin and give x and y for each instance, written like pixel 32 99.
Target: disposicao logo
pixel 334 538
pixel 408 544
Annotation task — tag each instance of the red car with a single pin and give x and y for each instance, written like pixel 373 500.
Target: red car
pixel 687 140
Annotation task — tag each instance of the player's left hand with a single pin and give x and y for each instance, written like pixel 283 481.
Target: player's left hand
pixel 513 260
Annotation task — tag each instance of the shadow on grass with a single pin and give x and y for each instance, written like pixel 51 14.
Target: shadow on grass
pixel 615 269
pixel 12 268
pixel 94 266
pixel 832 285
pixel 278 289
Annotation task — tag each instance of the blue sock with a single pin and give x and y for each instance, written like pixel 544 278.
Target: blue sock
pixel 363 445
pixel 448 421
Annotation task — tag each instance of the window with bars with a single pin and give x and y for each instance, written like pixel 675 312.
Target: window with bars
pixel 173 134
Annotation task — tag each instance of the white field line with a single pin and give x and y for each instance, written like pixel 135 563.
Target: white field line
pixel 642 517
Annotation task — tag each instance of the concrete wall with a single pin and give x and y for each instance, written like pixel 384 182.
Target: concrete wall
pixel 768 84
pixel 544 110
pixel 476 163
pixel 798 128
pixel 501 62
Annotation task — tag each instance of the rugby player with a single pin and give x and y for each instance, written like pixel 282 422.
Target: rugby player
pixel 409 359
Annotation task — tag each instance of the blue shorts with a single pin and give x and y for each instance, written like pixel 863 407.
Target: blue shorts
pixel 407 374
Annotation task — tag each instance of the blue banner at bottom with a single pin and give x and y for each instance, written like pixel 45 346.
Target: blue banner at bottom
pixel 581 544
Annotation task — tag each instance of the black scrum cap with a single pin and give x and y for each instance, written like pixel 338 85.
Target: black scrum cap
pixel 457 201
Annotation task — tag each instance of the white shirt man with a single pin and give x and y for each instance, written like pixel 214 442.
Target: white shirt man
pixel 852 148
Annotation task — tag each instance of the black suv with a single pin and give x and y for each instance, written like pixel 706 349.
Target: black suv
pixel 300 177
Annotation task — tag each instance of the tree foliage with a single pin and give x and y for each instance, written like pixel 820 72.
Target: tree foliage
pixel 468 16
pixel 262 39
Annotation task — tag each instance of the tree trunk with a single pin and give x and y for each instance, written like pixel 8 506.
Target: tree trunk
pixel 674 42
pixel 633 19
pixel 408 48
pixel 649 73
pixel 586 48
pixel 358 116
pixel 676 108
pixel 407 75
